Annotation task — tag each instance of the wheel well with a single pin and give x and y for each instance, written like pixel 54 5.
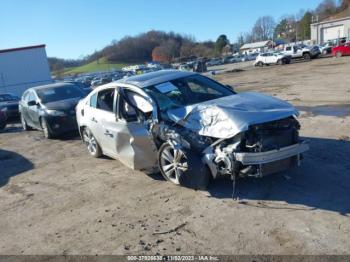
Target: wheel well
pixel 40 118
pixel 81 129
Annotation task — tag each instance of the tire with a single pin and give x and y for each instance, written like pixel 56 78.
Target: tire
pixel 90 141
pixel 306 56
pixel 183 167
pixel 338 54
pixel 46 128
pixel 25 126
pixel 280 62
pixel 260 64
pixel 2 125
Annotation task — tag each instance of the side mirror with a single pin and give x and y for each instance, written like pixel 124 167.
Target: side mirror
pixel 32 103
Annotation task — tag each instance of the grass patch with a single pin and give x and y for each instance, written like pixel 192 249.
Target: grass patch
pixel 95 66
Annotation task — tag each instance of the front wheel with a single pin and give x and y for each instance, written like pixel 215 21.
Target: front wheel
pixel 280 62
pixel 91 143
pixel 46 129
pixel 338 54
pixel 183 167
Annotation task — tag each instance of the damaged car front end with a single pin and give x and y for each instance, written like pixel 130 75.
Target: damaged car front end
pixel 192 128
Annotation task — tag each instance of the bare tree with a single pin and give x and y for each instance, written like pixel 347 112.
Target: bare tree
pixel 263 28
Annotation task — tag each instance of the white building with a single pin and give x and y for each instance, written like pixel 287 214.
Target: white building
pixel 22 68
pixel 256 47
pixel 330 30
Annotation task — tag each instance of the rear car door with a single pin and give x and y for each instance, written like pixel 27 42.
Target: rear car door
pixel 269 58
pixel 92 116
pixel 127 135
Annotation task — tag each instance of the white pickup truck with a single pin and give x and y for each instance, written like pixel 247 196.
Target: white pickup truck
pixel 301 51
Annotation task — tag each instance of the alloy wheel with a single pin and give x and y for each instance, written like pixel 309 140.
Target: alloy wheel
pixel 173 163
pixel 90 141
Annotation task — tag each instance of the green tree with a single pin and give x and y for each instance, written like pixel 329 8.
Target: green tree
pixel 220 43
pixel 304 32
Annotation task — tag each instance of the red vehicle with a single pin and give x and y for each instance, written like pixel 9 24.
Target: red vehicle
pixel 341 50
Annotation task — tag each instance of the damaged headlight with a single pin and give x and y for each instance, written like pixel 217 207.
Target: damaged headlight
pixel 55 112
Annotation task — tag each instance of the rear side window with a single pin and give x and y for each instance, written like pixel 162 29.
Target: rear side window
pixel 93 100
pixel 288 48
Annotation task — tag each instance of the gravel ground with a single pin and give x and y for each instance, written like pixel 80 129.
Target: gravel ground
pixel 56 199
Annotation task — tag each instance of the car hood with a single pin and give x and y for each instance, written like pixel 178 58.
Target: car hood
pixel 63 105
pixel 225 117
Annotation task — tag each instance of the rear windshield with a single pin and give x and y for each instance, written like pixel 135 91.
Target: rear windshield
pixel 53 94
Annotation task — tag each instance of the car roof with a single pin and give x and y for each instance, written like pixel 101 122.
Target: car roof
pixel 54 85
pixel 154 78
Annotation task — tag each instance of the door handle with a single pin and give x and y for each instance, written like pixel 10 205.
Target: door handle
pixel 107 133
pixel 94 120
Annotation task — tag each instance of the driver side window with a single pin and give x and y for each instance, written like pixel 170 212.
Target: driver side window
pixel 136 106
pixel 105 100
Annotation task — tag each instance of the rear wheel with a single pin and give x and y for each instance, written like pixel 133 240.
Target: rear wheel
pixel 306 56
pixel 338 54
pixel 183 167
pixel 91 143
pixel 46 129
pixel 260 64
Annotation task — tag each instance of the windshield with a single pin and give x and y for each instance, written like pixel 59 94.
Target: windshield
pixel 7 97
pixel 53 94
pixel 187 91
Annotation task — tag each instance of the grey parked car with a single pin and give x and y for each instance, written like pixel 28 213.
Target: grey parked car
pixel 189 127
pixel 50 108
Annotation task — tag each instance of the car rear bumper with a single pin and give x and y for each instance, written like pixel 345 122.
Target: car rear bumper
pixel 271 156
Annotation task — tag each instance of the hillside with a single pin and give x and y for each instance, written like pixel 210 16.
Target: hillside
pixel 95 66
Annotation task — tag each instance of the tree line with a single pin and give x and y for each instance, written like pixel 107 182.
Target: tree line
pixel 168 47
pixel 293 27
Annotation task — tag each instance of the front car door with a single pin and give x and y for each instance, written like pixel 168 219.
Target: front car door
pixel 33 111
pixel 126 131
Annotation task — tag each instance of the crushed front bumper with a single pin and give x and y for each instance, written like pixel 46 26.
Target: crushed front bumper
pixel 270 156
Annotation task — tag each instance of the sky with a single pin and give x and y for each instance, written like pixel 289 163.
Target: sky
pixel 76 28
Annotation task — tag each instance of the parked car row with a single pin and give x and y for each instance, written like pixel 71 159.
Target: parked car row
pixel 300 52
pixel 183 124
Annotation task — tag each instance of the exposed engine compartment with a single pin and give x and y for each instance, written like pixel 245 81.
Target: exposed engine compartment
pixel 258 138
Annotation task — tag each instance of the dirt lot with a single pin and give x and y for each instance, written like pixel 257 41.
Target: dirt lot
pixel 56 199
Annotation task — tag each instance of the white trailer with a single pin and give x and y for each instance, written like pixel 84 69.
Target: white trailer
pixel 22 68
